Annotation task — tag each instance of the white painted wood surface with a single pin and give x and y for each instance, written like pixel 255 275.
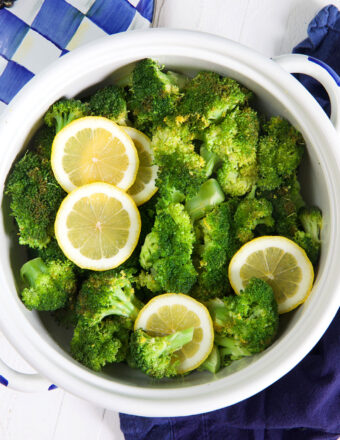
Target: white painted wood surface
pixel 271 27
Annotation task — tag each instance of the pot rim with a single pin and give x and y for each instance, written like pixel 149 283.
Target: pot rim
pixel 240 384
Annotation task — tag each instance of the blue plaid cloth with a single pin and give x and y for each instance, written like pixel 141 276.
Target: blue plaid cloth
pixel 33 33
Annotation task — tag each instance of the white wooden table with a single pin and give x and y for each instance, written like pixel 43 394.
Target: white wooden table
pixel 272 27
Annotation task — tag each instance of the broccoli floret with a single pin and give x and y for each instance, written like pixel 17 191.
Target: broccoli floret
pixel 108 293
pixel 230 350
pixel 309 239
pixel 208 196
pixel 35 199
pixel 310 246
pixel 181 169
pixel 235 138
pixel 42 141
pixel 311 220
pixel 237 181
pixel 65 111
pixel 249 214
pixel 207 98
pixel 155 355
pixel 214 252
pixel 100 344
pixel 280 152
pixel 49 284
pixel 286 201
pixel 213 361
pixel 166 252
pixel 246 323
pixel 110 103
pixel 154 94
pixel 145 279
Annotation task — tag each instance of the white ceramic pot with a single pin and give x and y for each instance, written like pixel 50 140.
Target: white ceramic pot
pixel 45 346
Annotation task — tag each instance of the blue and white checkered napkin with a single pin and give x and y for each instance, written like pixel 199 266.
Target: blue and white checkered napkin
pixel 33 33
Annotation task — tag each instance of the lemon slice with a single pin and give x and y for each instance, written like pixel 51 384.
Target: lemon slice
pixel 171 312
pixel 278 261
pixel 97 226
pixel 94 149
pixel 145 184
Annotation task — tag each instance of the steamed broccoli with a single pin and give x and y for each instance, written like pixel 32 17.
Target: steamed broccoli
pixel 213 253
pixel 208 196
pixel 235 138
pixel 110 103
pixel 309 239
pixel 250 213
pixel 181 169
pixel 108 293
pixel 102 343
pixel 42 141
pixel 35 199
pixel 207 98
pixel 280 151
pixel 65 111
pixel 166 252
pixel 154 94
pixel 155 355
pixel 237 181
pixel 213 361
pixel 246 323
pixel 49 284
pixel 212 161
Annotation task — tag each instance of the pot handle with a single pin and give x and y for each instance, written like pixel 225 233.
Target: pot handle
pixel 296 63
pixel 23 381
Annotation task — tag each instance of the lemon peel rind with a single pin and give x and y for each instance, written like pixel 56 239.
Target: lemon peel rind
pixel 150 190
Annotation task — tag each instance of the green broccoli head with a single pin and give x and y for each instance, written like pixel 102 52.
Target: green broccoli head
pixel 309 244
pixel 207 98
pixel 49 285
pixel 215 247
pixel 41 142
pixel 155 355
pixel 35 199
pixel 246 323
pixel 249 214
pixel 100 344
pixel 65 111
pixel 235 138
pixel 311 220
pixel 110 102
pixel 166 252
pixel 181 169
pixel 153 94
pixel 286 202
pixel 237 181
pixel 280 151
pixel 108 293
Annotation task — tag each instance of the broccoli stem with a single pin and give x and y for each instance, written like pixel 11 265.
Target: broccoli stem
pixel 231 347
pixel 213 361
pixel 212 161
pixel 209 195
pixel 32 270
pixel 176 341
pixel 125 308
